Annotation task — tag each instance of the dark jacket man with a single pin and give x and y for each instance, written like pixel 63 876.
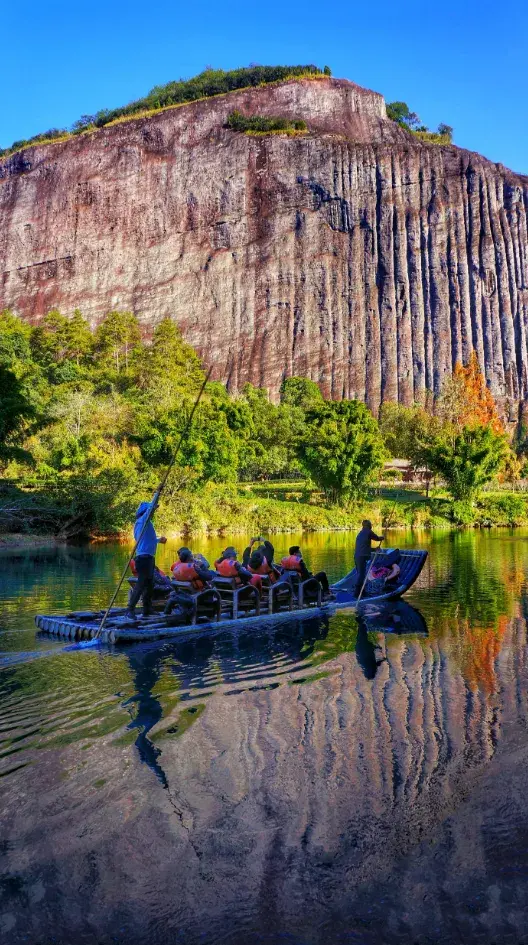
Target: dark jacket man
pixel 363 552
pixel 265 548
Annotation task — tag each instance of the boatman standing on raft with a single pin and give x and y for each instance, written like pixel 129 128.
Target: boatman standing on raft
pixel 363 551
pixel 145 557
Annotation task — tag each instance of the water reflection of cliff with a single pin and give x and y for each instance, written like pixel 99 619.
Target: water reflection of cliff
pixel 324 784
pixel 320 777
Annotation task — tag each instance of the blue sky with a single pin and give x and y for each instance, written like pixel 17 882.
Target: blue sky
pixel 462 62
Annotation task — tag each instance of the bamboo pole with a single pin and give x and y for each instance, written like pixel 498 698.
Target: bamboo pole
pixel 376 555
pixel 153 506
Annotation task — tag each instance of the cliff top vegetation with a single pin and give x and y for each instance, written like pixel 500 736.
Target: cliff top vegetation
pixel 207 84
pixel 262 124
pixel 403 116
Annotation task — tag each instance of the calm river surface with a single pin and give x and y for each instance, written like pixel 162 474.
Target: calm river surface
pixel 315 781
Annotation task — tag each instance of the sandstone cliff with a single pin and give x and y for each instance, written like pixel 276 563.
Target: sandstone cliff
pixel 355 254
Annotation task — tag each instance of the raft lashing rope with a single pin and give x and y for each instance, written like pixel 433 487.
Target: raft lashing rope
pixel 83 627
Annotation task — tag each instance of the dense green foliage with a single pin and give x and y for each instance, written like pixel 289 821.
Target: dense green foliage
pixel 342 449
pixel 300 392
pixel 466 459
pixel 406 431
pixel 206 84
pixel 262 124
pixel 403 116
pixel 16 409
pixel 401 113
pixel 465 455
pixel 90 418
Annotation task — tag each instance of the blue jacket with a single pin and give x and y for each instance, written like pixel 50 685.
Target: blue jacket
pixel 149 541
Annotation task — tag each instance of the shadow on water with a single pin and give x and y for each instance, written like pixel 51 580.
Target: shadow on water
pixel 374 621
pixel 368 654
pixel 146 670
pixel 240 659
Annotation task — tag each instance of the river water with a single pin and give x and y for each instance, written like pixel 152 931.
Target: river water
pixel 313 781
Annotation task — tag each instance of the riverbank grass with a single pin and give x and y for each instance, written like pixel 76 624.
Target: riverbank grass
pixel 295 506
pixel 272 507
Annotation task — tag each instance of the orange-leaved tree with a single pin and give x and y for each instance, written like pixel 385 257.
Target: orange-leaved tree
pixel 466 400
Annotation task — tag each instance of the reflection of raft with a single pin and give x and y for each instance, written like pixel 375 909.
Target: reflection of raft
pixel 393 617
pixel 231 605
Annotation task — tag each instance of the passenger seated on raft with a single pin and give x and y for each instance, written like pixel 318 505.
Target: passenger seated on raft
pixel 386 567
pixel 293 563
pixel 187 568
pixel 259 564
pixel 190 568
pixel 202 562
pixel 265 547
pixel 228 566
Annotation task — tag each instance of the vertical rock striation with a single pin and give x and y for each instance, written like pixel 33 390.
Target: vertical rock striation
pixel 355 254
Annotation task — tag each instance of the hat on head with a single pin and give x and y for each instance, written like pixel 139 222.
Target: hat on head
pixel 229 552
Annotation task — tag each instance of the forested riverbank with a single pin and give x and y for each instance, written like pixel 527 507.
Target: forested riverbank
pixel 270 508
pixel 90 418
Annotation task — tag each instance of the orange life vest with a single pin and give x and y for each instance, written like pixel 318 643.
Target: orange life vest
pixel 264 568
pixel 227 567
pixel 292 563
pixel 184 571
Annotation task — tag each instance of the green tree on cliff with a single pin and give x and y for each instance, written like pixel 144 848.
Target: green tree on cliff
pixel 445 131
pixel 116 338
pixel 402 115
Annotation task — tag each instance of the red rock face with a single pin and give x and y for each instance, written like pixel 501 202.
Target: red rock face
pixel 355 255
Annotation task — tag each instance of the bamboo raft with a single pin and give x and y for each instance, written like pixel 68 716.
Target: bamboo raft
pixel 228 605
